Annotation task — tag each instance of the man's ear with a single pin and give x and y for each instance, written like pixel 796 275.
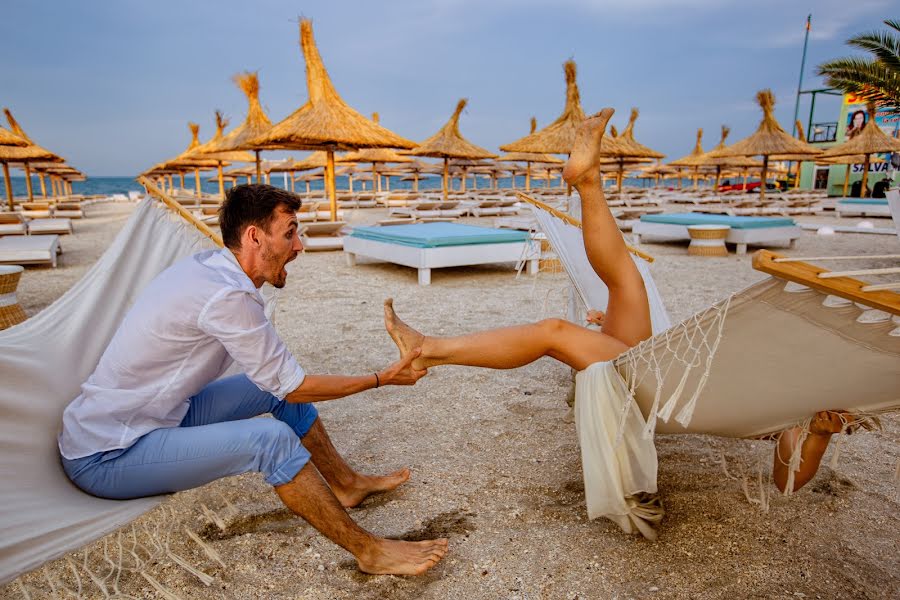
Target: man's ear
pixel 252 235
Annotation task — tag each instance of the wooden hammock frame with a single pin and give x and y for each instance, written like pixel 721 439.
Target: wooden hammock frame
pixel 157 193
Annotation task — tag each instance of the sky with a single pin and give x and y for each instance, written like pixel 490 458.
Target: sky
pixel 111 84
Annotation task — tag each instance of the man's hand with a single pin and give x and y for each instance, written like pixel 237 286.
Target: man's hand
pixel 595 317
pixel 402 372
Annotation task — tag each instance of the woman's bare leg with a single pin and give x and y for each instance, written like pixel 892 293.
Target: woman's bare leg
pixel 628 312
pixel 576 346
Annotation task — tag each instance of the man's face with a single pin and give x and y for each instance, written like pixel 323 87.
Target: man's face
pixel 279 246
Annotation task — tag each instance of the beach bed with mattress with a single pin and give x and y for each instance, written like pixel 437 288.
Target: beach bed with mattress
pixel 744 230
pixel 29 249
pixel 426 246
pixel 866 207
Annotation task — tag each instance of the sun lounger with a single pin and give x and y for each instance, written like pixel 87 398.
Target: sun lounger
pixel 36 210
pixel 420 210
pixel 325 235
pixel 866 207
pixel 68 210
pixel 744 230
pixel 893 198
pixel 12 224
pixel 49 226
pixel 426 246
pixel 29 249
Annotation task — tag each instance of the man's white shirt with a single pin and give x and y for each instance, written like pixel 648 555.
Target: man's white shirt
pixel 185 330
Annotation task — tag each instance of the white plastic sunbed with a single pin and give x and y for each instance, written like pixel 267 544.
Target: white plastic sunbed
pixel 29 249
pixel 12 224
pixel 324 235
pixel 744 230
pixel 866 207
pixel 49 226
pixel 426 246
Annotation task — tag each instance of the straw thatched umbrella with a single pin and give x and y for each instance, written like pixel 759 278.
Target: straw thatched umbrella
pixel 851 159
pixel 28 157
pixel 768 140
pixel 376 156
pixel 712 159
pixel 187 161
pixel 208 151
pixel 627 149
pixel 26 154
pixel 8 138
pixel 255 124
pixel 871 140
pixel 448 143
pixel 693 160
pixel 529 158
pixel 418 169
pixel 325 122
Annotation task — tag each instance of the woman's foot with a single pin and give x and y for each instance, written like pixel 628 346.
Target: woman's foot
pixel 395 557
pixel 406 338
pixel 363 486
pixel 584 161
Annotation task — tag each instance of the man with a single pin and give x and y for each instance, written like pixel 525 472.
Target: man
pixel 156 418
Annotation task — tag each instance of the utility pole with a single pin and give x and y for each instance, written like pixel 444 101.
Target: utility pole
pixel 802 67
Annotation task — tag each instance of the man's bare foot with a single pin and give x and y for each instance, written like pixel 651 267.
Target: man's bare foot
pixel 406 338
pixel 395 557
pixel 364 486
pixel 584 161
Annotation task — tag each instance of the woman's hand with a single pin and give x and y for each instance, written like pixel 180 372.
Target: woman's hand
pixel 596 317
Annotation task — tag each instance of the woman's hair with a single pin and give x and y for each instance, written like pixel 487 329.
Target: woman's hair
pixel 252 204
pixel 853 118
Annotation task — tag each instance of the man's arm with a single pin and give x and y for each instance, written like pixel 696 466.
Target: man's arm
pixel 317 388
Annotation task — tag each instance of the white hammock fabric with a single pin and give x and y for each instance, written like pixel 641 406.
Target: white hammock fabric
pixel 43 363
pixel 763 360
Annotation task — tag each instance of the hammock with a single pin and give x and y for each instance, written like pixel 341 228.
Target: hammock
pixel 43 362
pixel 756 363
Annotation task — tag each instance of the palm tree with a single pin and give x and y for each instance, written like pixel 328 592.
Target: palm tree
pixel 876 78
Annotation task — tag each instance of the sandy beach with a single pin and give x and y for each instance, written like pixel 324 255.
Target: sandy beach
pixel 494 457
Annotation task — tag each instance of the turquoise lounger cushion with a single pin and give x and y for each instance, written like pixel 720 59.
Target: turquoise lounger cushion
pixel 691 218
pixel 870 201
pixel 436 235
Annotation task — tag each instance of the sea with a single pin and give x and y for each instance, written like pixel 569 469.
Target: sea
pixel 106 185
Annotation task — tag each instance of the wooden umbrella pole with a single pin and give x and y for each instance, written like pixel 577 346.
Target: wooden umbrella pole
pixel 762 178
pixel 846 180
pixel 221 181
pixel 182 211
pixel 527 176
pixel 573 221
pixel 258 168
pixel 376 183
pixel 863 191
pixel 43 185
pixel 182 181
pixel 197 181
pixel 718 176
pixel 446 175
pixel 415 181
pixel 293 190
pixel 28 182
pixel 329 184
pixel 8 184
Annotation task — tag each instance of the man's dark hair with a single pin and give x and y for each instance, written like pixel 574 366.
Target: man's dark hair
pixel 252 204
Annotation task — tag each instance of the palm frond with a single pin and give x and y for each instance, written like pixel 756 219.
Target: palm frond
pixel 883 44
pixel 868 79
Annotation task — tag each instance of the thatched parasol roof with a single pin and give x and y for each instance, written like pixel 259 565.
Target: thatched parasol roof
pixel 695 158
pixel 255 124
pixel 449 143
pixel 316 160
pixel 734 162
pixel 871 140
pixel 208 150
pixel 27 153
pixel 8 138
pixel 185 160
pixel 769 137
pixel 627 146
pixel 325 121
pixel 559 136
pixel 375 155
pixel 534 157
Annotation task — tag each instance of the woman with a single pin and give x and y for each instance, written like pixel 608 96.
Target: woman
pixel 625 323
pixel 856 125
